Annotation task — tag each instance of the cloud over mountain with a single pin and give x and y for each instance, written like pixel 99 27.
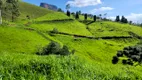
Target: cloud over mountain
pixel 84 3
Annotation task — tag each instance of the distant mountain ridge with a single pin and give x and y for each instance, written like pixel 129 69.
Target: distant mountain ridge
pixel 49 6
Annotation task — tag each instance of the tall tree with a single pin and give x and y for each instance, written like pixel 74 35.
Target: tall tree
pixel 77 15
pixel 117 18
pixel 68 13
pixel 14 8
pixel 124 20
pixel 85 17
pixel 95 18
pixel 68 7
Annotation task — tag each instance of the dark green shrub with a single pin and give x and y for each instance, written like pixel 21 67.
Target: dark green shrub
pixel 124 61
pixel 126 53
pixel 54 48
pixel 64 51
pixel 55 30
pixel 134 53
pixel 119 54
pixel 115 60
pixel 130 62
pixel 135 58
pixel 141 56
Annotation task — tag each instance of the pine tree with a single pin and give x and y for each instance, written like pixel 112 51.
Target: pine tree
pixel 117 19
pixel 124 20
pixel 68 7
pixel 95 18
pixel 77 15
pixel 68 13
pixel 85 17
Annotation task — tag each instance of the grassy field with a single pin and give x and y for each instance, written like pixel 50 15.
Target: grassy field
pixel 107 28
pixel 19 42
pixel 26 10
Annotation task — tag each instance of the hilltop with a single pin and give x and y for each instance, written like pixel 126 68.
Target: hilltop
pixel 94 46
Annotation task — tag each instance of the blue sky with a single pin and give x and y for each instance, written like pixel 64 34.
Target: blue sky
pixel 129 8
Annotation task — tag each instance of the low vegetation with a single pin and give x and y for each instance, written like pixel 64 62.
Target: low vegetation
pixel 133 54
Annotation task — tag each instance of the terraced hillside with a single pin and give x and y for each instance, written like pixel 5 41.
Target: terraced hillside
pixel 107 28
pixel 19 42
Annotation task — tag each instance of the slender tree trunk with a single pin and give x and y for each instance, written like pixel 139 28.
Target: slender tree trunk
pixel 0 17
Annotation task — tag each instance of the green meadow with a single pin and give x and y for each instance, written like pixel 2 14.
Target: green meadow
pixel 92 60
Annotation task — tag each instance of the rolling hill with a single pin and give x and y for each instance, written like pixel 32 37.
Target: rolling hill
pixel 20 40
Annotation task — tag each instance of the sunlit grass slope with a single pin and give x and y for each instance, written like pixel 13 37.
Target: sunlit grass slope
pixel 92 58
pixel 107 28
pixel 20 41
pixel 53 16
pixel 96 50
pixel 31 10
pixel 72 27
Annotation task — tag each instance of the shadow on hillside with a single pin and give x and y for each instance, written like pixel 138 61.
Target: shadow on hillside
pixel 54 21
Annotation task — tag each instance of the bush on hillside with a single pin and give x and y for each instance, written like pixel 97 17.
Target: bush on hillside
pixel 124 61
pixel 64 51
pixel 54 48
pixel 115 60
pixel 55 30
pixel 133 53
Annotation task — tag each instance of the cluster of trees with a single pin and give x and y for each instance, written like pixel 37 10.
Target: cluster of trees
pixel 76 15
pixel 123 19
pixel 133 54
pixel 9 8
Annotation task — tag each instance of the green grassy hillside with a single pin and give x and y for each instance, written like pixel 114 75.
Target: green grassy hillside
pixel 107 28
pixel 31 10
pixel 19 42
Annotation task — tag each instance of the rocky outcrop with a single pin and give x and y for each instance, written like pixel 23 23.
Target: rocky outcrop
pixel 49 6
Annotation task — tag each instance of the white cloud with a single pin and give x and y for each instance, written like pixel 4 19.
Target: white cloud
pixel 101 9
pixel 136 18
pixel 112 18
pixel 84 3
